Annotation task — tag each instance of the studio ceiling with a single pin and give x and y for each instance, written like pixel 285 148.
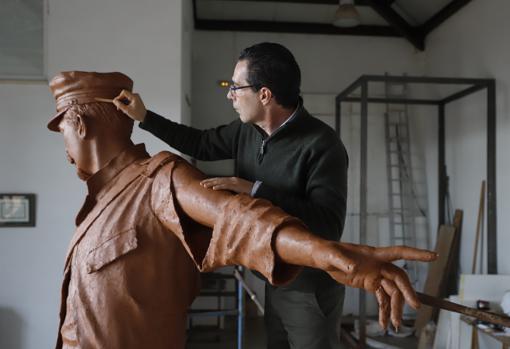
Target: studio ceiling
pixel 409 19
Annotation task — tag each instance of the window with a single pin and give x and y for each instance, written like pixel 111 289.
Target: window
pixel 22 39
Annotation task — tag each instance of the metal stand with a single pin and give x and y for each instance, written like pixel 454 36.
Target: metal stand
pixel 241 286
pixel 469 86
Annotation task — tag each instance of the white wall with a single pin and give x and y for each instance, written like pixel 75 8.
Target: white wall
pixel 141 39
pixel 473 43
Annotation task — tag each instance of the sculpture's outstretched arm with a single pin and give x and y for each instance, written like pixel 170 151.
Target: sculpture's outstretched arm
pixel 354 265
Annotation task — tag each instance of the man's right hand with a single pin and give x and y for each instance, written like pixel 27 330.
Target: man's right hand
pixel 131 104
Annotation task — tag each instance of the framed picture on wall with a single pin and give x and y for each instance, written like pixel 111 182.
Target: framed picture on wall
pixel 17 210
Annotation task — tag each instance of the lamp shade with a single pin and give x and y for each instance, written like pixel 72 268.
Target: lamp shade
pixel 346 15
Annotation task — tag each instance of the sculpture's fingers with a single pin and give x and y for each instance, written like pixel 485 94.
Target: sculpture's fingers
pixel 393 253
pixel 399 277
pixel 384 307
pixel 397 302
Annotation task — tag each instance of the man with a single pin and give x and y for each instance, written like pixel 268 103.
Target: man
pixel 286 156
pixel 147 226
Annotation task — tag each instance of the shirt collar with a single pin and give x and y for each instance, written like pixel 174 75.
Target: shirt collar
pixel 99 179
pixel 291 117
pixel 288 120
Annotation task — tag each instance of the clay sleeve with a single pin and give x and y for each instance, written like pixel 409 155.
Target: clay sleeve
pixel 243 231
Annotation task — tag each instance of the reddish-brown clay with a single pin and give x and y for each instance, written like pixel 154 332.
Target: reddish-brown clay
pixel 147 228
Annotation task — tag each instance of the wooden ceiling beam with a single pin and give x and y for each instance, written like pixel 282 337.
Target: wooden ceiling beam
pixel 294 27
pixel 322 2
pixel 413 34
pixel 446 12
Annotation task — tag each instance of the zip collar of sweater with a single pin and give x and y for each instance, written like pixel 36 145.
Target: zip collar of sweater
pixel 297 113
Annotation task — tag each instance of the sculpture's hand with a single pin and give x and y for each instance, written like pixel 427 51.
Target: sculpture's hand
pixel 374 272
pixel 235 184
pixel 131 104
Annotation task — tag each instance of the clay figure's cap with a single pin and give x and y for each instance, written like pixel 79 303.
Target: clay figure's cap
pixel 77 87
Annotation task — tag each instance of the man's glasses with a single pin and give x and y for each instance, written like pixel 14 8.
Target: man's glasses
pixel 234 88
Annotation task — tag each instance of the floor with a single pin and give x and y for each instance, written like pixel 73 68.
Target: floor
pixel 255 338
pixel 208 338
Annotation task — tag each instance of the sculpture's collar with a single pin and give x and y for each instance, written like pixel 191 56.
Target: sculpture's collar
pixel 99 179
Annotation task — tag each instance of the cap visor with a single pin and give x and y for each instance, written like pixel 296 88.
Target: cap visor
pixel 55 121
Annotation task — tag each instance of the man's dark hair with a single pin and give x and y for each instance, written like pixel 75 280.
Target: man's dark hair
pixel 273 66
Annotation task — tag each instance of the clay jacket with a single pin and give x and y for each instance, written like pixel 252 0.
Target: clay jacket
pixel 132 267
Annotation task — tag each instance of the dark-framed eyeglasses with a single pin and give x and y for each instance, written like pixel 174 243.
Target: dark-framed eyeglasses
pixel 234 88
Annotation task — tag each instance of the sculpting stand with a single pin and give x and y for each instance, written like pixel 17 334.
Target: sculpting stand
pixel 241 286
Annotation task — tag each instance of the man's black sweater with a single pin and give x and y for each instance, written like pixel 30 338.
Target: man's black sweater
pixel 302 167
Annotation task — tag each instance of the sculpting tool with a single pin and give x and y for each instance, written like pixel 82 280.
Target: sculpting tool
pixel 106 100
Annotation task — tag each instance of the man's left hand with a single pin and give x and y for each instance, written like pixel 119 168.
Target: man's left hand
pixel 235 184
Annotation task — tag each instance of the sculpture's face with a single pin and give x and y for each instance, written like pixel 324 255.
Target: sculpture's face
pixel 74 132
pixel 245 101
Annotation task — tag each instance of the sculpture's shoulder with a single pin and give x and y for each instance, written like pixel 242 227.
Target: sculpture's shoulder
pixel 160 168
pixel 155 163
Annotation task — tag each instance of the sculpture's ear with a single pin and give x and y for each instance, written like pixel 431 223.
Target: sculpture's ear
pixel 81 126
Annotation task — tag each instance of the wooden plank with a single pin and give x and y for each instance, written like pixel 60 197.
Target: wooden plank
pixel 452 282
pixel 495 318
pixel 436 274
pixel 479 226
pixel 504 340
